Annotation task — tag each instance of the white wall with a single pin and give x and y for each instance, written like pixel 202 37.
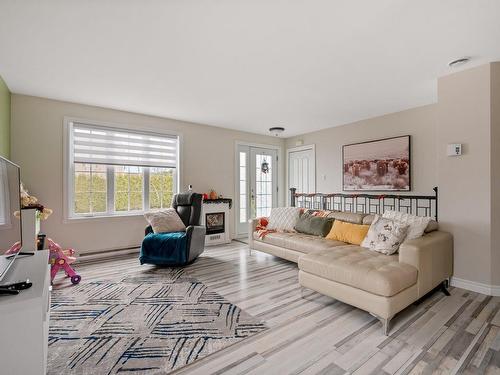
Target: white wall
pixel 207 161
pixel 419 122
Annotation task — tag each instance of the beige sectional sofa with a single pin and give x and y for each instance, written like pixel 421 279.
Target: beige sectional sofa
pixel 380 284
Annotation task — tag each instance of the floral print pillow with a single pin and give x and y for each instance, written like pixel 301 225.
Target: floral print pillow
pixel 385 235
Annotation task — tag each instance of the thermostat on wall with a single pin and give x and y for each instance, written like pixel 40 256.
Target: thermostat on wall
pixel 454 149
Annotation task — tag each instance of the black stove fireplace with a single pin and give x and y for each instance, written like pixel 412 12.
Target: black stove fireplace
pixel 214 222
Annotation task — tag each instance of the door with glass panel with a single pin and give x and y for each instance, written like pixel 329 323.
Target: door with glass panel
pixel 257 189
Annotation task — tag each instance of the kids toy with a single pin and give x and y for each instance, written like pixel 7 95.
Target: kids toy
pixel 61 259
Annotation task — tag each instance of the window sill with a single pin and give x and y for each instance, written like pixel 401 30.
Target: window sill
pixel 78 219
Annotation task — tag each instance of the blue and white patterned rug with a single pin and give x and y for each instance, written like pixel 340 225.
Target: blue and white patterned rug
pixel 151 322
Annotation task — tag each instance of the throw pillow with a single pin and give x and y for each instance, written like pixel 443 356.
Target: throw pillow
pixel 319 213
pixel 417 224
pixel 315 225
pixel 350 217
pixel 432 226
pixel 348 232
pixel 283 218
pixel 385 235
pixel 165 221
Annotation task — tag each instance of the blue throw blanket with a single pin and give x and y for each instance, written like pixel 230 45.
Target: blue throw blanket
pixel 164 248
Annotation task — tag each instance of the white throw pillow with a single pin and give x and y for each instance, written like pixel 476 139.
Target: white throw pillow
pixel 385 235
pixel 165 221
pixel 284 218
pixel 417 223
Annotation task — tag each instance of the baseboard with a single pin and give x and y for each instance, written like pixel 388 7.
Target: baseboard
pixel 491 290
pixel 85 257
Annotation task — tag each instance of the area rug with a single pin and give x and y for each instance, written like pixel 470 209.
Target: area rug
pixel 151 322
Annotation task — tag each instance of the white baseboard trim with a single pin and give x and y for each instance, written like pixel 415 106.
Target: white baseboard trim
pixel 490 290
pixel 106 254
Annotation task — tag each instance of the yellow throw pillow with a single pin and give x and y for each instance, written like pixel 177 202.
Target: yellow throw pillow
pixel 348 232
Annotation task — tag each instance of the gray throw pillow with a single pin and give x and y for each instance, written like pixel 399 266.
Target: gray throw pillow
pixel 318 226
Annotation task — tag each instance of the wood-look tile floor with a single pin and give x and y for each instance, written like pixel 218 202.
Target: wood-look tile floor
pixel 313 334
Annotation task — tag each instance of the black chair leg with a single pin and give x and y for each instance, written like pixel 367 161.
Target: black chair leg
pixel 444 288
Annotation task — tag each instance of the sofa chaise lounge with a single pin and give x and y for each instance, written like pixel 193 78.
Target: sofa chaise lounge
pixel 381 284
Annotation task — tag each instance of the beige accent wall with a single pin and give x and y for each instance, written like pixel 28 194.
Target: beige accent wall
pixel 495 173
pixel 207 161
pixel 419 122
pixel 465 181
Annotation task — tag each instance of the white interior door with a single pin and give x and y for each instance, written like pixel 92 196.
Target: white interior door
pixel 302 169
pixel 257 188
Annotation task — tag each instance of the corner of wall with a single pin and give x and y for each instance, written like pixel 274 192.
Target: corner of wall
pixel 495 172
pixel 4 119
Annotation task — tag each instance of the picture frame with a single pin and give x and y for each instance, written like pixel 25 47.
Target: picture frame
pixel 377 165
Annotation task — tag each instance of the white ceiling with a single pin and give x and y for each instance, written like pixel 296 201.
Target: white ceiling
pixel 247 65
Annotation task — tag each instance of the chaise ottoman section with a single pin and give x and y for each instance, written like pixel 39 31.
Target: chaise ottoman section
pixel 360 268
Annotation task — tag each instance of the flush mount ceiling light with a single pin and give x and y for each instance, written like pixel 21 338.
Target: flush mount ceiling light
pixel 277 130
pixel 458 62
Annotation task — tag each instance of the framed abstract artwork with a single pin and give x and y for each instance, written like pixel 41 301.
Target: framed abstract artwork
pixel 380 165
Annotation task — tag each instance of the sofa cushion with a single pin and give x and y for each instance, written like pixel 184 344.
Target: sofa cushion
pixel 304 243
pixel 432 226
pixel 319 213
pixel 416 224
pixel 283 218
pixel 317 226
pixel 361 268
pixel 348 232
pixel 350 217
pixel 368 219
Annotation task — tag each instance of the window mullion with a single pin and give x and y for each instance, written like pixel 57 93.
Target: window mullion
pixel 91 203
pixel 128 174
pixel 145 189
pixel 110 189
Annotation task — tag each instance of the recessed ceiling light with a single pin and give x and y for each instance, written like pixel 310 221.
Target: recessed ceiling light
pixel 458 62
pixel 277 130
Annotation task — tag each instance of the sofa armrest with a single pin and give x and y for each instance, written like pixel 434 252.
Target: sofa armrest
pixel 252 226
pixel 432 256
pixel 195 241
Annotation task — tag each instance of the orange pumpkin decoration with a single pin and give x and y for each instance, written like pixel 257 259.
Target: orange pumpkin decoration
pixel 212 194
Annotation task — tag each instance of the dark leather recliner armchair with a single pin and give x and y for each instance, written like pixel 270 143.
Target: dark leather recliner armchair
pixel 177 248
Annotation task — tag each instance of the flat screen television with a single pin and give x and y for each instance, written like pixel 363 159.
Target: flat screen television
pixel 10 212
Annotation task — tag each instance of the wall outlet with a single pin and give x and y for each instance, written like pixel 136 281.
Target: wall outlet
pixel 454 149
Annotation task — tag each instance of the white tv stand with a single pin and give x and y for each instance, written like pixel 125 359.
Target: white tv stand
pixel 24 318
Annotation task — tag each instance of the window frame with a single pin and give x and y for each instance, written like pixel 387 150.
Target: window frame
pixel 69 170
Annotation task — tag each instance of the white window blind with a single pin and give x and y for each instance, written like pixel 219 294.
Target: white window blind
pixel 101 145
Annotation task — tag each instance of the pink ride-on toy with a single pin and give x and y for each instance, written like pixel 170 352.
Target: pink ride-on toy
pixel 61 259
